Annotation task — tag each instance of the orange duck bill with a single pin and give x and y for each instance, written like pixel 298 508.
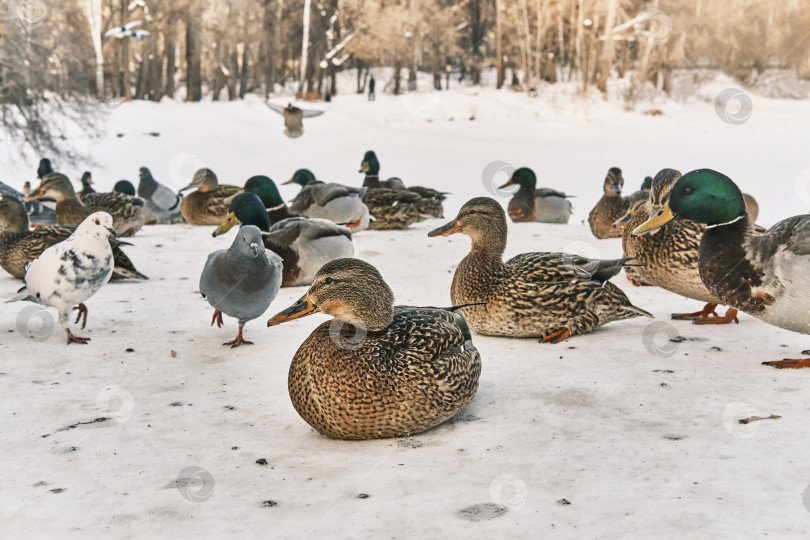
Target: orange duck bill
pixel 301 308
pixel 34 195
pixel 446 230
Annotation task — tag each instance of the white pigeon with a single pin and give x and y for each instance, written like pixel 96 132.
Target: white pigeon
pixel 70 272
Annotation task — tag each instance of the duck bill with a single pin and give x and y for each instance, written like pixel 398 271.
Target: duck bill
pixel 229 199
pixel 622 221
pixel 301 308
pixel 446 230
pixel 660 219
pixel 35 195
pixel 509 183
pixel 364 167
pixel 188 187
pixel 227 225
pixel 290 181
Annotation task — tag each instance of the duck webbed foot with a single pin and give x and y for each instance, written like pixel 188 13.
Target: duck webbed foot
pixel 556 337
pixel 790 363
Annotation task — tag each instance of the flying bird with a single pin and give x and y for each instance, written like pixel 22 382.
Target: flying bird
pixel 127 31
pixel 293 118
pixel 70 272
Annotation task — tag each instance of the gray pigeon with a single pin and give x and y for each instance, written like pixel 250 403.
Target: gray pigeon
pixel 70 272
pixel 241 281
pixel 162 204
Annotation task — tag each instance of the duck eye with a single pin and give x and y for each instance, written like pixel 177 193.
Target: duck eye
pixel 328 281
pixel 688 190
pixel 471 212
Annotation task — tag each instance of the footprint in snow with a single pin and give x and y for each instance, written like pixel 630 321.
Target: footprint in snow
pixel 481 512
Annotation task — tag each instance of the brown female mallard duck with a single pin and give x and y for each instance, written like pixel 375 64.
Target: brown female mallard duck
pixel 610 208
pixel 547 295
pixel 377 370
pixel 206 206
pixel 19 245
pixel 421 203
pixel 529 203
pixel 70 210
pixel 764 275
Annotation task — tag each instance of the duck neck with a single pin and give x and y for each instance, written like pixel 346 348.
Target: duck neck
pixel 489 246
pixel 372 181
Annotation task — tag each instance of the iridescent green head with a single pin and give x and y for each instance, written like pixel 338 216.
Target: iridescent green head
pixel 125 187
pixel 706 196
pixel 370 164
pixel 301 177
pixel 523 177
pixel 266 189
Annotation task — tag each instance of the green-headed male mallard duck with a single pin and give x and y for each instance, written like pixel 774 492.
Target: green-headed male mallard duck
pixel 70 210
pixel 529 203
pixel 266 190
pixel 429 201
pixel 87 184
pixel 377 370
pixel 764 275
pixel 547 295
pixel 610 208
pixel 19 245
pixel 335 202
pixel 206 205
pixel 304 244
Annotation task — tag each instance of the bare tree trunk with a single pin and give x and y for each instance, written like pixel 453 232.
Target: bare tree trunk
pixel 193 52
pixel 498 44
pixel 243 69
pixel 170 40
pixel 304 45
pixel 607 47
pixel 126 90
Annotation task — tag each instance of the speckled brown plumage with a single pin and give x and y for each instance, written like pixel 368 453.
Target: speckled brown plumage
pixel 611 207
pixel 390 372
pixel 19 245
pixel 205 206
pixel 392 209
pixel 669 256
pixel 71 211
pixel 532 294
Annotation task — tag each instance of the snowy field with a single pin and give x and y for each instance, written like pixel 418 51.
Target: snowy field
pixel 629 432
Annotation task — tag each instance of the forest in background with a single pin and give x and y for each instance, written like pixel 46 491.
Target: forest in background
pixel 64 58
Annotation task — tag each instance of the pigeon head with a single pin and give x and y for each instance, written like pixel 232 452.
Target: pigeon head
pixel 55 185
pixel 204 180
pixel 125 187
pixel 96 225
pixel 370 164
pixel 248 241
pixel 301 177
pixel 13 217
pixel 44 167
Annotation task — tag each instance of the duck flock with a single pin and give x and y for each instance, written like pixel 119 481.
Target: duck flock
pixel 379 370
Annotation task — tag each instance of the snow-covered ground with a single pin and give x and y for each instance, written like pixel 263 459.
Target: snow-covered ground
pixel 634 425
